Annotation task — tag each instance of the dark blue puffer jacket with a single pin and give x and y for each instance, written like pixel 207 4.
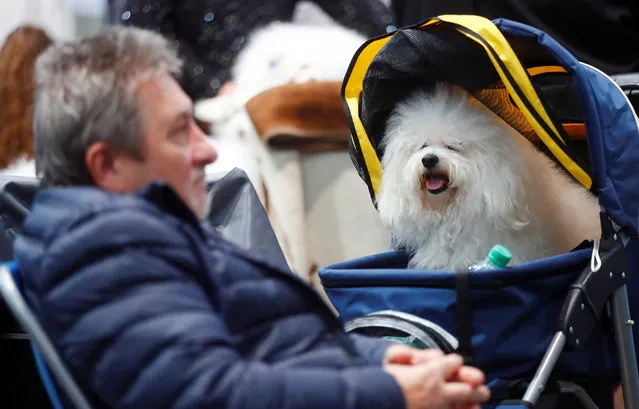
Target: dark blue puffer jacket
pixel 150 309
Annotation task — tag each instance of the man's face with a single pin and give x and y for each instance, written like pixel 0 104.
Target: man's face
pixel 175 150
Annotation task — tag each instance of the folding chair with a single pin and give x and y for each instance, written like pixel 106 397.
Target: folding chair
pixel 52 370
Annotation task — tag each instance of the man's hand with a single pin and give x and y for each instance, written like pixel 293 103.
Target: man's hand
pixel 440 383
pixel 401 354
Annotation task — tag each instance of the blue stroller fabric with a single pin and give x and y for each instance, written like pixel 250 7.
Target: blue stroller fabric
pixel 612 129
pixel 515 310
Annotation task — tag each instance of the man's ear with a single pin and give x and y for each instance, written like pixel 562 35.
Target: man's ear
pixel 103 164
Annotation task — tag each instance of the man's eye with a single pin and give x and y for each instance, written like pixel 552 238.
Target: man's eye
pixel 181 134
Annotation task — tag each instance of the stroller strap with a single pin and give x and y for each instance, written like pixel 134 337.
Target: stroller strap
pixel 464 316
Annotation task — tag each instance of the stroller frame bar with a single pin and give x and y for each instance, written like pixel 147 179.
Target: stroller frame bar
pixel 582 309
pixel 625 348
pixel 538 383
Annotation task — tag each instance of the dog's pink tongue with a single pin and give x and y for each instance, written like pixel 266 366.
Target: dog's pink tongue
pixel 434 183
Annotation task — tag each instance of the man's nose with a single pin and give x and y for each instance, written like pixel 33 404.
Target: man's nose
pixel 203 152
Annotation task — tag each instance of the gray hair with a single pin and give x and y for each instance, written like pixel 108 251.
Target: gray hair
pixel 86 92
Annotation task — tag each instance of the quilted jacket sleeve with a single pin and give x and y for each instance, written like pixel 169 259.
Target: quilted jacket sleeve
pixel 371 348
pixel 135 327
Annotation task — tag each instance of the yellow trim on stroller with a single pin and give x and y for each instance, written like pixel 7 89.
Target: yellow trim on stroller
pixel 352 90
pixel 489 32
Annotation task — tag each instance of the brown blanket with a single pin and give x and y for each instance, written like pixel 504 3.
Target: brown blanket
pixel 306 117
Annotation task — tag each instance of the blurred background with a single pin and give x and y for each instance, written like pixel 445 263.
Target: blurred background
pixel 67 19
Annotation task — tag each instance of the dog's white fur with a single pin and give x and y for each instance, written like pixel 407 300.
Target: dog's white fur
pixel 283 53
pixel 501 188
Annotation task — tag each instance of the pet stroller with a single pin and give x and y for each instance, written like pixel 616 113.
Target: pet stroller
pixel 558 330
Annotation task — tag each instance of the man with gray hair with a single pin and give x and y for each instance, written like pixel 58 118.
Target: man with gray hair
pixel 150 307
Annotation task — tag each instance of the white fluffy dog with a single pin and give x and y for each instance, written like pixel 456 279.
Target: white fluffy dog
pixel 457 180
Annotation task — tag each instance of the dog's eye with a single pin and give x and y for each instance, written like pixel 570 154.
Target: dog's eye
pixel 454 148
pixel 424 146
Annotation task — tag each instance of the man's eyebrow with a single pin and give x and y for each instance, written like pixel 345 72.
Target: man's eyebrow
pixel 180 118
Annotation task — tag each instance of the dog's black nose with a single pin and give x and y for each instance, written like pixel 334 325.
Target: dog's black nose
pixel 429 161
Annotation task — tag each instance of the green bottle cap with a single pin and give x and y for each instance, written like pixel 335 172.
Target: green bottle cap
pixel 499 255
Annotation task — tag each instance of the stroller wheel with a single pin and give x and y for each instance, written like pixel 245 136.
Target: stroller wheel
pixel 403 328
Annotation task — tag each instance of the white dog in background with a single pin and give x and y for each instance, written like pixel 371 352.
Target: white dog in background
pixel 283 53
pixel 457 180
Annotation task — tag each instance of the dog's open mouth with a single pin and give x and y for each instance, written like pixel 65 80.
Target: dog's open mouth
pixel 436 182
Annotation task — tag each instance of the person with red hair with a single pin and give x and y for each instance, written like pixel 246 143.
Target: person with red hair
pixel 17 62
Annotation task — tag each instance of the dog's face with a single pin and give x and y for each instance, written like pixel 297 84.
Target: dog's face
pixel 427 170
pixel 446 156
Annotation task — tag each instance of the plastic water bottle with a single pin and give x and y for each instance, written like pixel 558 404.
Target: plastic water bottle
pixel 498 257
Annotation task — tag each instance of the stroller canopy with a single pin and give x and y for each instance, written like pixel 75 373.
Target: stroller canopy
pixel 523 76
